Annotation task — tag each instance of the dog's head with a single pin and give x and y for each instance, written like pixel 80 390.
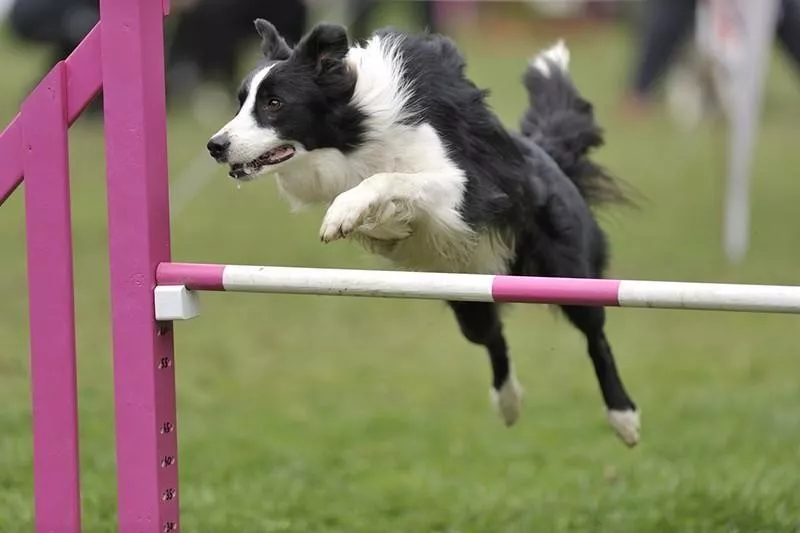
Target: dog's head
pixel 297 101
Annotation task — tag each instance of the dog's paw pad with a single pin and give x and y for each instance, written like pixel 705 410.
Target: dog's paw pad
pixel 626 424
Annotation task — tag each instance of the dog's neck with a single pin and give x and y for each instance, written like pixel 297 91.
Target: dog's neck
pixel 319 176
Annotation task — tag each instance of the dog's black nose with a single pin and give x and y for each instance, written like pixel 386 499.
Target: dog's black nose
pixel 218 147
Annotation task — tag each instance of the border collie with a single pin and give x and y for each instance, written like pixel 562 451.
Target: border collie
pixel 413 165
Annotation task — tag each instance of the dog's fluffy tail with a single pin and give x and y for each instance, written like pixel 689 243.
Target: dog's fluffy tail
pixel 562 123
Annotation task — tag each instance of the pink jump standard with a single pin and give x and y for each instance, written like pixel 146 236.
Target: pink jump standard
pixel 124 55
pixel 139 238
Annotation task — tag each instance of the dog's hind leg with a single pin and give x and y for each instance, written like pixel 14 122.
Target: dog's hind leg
pixel 480 323
pixel 573 246
pixel 622 412
pixel 564 258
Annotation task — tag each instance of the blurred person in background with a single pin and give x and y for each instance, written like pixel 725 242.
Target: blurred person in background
pixel 665 26
pixel 58 24
pixel 209 39
pixel 204 40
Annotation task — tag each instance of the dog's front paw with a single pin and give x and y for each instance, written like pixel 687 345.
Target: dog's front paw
pixel 344 215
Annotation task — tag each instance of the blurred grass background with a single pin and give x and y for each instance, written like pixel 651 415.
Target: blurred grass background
pixel 310 414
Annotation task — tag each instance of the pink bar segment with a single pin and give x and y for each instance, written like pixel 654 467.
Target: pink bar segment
pixel 43 126
pixel 194 276
pixel 84 76
pixel 132 37
pixel 10 159
pixel 566 291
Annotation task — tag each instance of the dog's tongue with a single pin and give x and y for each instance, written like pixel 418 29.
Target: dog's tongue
pixel 280 152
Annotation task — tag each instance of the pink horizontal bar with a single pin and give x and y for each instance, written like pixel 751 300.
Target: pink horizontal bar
pixel 563 291
pixel 10 159
pixel 192 275
pixel 84 74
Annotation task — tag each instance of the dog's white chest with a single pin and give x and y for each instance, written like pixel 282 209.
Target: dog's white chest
pixel 399 198
pixel 431 251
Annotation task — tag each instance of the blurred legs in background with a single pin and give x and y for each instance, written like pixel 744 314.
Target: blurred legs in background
pixel 789 30
pixel 665 25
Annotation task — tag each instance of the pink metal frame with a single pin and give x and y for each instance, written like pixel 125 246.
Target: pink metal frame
pixel 124 56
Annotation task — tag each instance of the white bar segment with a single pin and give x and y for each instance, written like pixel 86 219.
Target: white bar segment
pixel 711 296
pixel 438 286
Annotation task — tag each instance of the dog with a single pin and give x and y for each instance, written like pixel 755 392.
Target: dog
pixel 413 165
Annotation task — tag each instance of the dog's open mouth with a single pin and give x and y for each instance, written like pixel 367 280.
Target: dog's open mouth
pixel 272 157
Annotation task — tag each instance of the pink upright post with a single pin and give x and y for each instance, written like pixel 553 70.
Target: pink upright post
pixel 45 159
pixel 139 239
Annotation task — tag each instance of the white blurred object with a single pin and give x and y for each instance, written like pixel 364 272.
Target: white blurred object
pixel 748 68
pixel 687 97
pixel 725 73
pixel 5 7
pixel 558 8
pixel 721 37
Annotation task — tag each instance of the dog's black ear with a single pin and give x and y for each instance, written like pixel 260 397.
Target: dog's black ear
pixel 325 46
pixel 272 44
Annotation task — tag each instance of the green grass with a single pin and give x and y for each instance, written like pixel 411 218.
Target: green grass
pixel 311 414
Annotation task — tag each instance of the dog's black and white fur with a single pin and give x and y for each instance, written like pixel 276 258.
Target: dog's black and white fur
pixel 412 164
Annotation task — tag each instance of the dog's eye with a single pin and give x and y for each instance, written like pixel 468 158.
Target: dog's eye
pixel 273 104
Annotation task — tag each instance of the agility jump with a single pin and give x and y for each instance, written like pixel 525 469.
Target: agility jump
pixel 124 56
pixel 176 295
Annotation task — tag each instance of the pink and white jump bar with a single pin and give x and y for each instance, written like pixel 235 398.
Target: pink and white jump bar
pixel 179 281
